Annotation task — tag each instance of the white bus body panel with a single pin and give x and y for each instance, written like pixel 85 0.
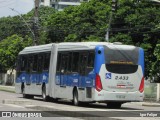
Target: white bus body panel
pixel 52 71
pixel 113 92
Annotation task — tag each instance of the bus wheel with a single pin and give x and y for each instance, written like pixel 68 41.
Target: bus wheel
pixel 75 98
pixel 116 105
pixel 44 96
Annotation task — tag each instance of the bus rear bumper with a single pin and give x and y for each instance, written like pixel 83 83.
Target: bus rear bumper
pixel 106 96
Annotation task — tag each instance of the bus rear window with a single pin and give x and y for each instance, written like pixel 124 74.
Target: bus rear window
pixel 121 69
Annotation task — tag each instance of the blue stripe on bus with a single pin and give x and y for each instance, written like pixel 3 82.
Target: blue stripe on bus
pixel 141 59
pixel 33 78
pixel 99 58
pixel 63 80
pixel 76 80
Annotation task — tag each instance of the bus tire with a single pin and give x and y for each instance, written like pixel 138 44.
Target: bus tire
pixel 116 105
pixel 75 98
pixel 44 96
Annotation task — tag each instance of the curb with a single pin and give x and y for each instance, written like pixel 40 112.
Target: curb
pixel 151 104
pixel 17 102
pixel 7 89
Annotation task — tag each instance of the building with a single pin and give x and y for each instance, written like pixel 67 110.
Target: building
pixel 61 4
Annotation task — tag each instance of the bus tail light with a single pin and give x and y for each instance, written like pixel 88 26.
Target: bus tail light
pixel 141 87
pixel 98 83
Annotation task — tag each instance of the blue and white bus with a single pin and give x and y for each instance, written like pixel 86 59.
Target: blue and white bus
pixel 82 72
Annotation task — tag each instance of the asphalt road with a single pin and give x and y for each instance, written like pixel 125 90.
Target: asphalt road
pixel 63 108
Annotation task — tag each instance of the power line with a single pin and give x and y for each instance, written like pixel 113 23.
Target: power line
pixel 8 4
pixel 4 1
pixel 24 22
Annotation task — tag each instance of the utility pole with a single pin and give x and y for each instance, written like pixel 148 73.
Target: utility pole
pixel 114 8
pixel 36 2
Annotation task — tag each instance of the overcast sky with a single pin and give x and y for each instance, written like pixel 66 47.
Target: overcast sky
pixel 22 6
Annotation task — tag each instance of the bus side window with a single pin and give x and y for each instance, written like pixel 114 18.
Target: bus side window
pixel 58 62
pixel 18 63
pixel 83 62
pixel 69 62
pixel 75 59
pixel 90 62
pixel 46 61
pixel 30 63
pixel 40 62
pixel 23 63
pixel 35 58
pixel 64 63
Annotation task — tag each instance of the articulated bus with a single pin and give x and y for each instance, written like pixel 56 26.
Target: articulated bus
pixel 84 72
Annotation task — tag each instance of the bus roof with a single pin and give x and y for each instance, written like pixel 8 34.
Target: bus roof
pixel 68 46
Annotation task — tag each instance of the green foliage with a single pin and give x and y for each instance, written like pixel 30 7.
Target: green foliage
pixel 155 71
pixel 78 23
pixel 137 23
pixel 10 26
pixel 123 38
pixel 9 49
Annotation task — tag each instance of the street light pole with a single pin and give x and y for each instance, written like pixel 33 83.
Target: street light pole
pixel 25 24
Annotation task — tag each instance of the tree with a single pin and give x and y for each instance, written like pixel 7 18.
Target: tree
pixel 155 71
pixel 78 23
pixel 9 49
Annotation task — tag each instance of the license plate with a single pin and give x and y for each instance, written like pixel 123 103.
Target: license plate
pixel 120 96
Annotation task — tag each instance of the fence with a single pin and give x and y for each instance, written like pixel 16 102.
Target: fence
pixel 150 91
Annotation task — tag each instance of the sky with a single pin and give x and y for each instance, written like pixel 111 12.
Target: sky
pixel 22 6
